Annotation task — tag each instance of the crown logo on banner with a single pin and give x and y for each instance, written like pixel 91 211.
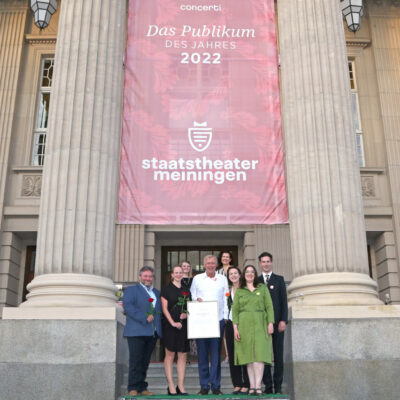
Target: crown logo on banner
pixel 200 136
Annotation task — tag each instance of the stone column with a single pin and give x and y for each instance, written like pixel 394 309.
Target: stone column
pixel 384 23
pixel 12 23
pixel 129 254
pixel 75 247
pixel 328 242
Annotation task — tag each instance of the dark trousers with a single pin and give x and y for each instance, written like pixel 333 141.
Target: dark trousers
pixel 277 346
pixel 238 372
pixel 210 374
pixel 140 349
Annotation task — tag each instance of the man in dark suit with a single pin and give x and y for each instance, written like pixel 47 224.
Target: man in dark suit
pixel 277 288
pixel 142 305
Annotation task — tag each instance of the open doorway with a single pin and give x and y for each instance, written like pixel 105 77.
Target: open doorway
pixel 173 255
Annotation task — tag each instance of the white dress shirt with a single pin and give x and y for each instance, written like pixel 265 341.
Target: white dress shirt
pixel 265 276
pixel 208 289
pixel 150 293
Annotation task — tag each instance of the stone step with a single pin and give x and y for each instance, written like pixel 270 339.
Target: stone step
pixel 158 384
pixel 157 369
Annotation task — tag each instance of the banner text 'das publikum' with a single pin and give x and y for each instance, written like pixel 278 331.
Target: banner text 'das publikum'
pixel 201 138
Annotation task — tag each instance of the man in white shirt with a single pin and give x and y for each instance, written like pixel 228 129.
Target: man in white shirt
pixel 210 286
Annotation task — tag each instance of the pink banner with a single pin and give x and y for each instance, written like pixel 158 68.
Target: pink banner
pixel 201 137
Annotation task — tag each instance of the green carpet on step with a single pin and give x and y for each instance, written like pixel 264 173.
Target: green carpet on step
pixel 210 396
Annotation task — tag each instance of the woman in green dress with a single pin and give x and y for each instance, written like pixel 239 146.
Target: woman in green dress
pixel 253 324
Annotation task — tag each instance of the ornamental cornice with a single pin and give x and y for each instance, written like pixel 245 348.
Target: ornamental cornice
pixel 362 43
pixel 13 5
pixel 384 2
pixel 383 8
pixel 40 39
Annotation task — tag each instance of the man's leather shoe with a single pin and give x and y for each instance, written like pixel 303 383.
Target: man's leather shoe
pixel 146 393
pixel 133 393
pixel 268 391
pixel 203 392
pixel 216 391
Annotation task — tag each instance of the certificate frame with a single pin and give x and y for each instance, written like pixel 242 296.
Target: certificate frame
pixel 203 320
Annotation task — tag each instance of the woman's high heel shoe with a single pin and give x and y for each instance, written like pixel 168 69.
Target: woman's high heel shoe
pixel 171 394
pixel 180 393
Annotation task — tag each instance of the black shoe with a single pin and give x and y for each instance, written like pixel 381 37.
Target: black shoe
pixel 278 391
pixel 236 392
pixel 203 392
pixel 171 394
pixel 268 391
pixel 180 393
pixel 216 391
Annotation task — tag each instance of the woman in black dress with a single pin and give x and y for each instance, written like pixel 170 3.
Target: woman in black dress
pixel 187 283
pixel 225 260
pixel 175 329
pixel 187 272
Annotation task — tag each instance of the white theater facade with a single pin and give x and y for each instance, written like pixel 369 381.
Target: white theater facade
pixel 60 142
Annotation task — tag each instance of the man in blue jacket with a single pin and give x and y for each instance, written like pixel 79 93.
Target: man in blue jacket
pixel 142 304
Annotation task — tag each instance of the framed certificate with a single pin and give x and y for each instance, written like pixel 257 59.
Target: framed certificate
pixel 203 319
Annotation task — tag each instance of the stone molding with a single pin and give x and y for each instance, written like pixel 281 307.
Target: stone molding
pixel 395 3
pixel 13 5
pixel 362 43
pixel 65 313
pixel 31 185
pixel 368 186
pixel 36 39
pixel 383 8
pixel 344 312
pixel 369 182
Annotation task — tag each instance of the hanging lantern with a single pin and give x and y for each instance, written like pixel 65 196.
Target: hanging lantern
pixel 43 10
pixel 352 11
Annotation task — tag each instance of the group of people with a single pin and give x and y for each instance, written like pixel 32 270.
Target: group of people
pixel 253 315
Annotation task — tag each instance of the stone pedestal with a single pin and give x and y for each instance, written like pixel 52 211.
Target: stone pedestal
pixel 343 352
pixel 62 353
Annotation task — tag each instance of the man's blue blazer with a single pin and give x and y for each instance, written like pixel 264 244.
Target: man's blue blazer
pixel 136 304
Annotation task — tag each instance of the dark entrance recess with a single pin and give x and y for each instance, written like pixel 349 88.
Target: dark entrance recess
pixel 173 255
pixel 29 268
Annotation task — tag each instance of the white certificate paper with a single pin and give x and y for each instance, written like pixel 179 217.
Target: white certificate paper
pixel 203 321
